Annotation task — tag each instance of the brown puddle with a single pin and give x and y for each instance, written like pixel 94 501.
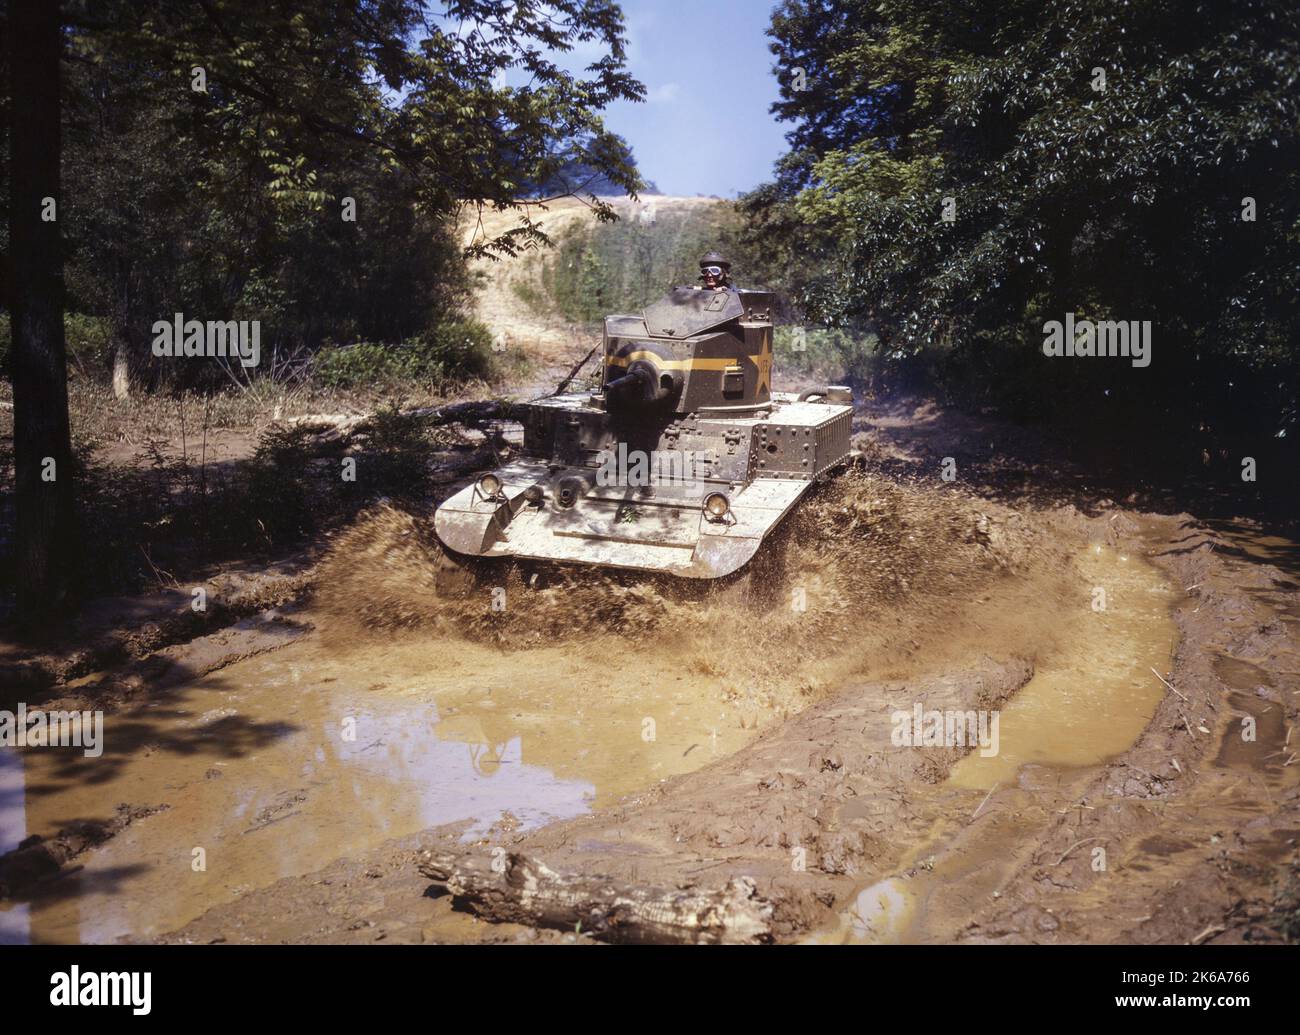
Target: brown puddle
pixel 282 763
pixel 1091 699
pixel 1239 674
pixel 1256 737
pixel 1088 701
pixel 1260 746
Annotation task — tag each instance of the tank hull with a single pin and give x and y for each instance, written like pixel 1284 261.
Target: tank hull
pixel 574 496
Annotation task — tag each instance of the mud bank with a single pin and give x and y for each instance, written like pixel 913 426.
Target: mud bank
pixel 823 795
pixel 121 632
pixel 1199 820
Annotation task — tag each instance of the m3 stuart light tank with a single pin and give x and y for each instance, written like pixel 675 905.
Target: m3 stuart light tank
pixel 681 461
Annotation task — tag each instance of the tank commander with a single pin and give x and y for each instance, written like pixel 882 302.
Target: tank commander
pixel 715 271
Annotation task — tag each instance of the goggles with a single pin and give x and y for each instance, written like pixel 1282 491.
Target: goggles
pixel 711 271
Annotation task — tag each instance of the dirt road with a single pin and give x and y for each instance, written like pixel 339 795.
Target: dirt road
pixel 281 776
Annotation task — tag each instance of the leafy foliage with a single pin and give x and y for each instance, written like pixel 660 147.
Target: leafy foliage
pixel 456 351
pixel 216 150
pixel 833 354
pixel 1120 200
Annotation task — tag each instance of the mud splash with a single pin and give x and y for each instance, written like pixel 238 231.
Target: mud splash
pixel 850 583
pixel 416 702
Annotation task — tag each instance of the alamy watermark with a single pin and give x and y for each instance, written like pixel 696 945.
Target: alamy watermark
pixel 234 339
pixel 36 728
pixel 952 728
pixel 72 987
pixel 1130 338
pixel 635 468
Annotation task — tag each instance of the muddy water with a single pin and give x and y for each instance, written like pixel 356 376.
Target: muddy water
pixel 325 747
pixel 282 763
pixel 1089 700
pixel 1250 543
pixel 13 828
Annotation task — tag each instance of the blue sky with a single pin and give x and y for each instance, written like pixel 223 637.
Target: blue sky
pixel 704 127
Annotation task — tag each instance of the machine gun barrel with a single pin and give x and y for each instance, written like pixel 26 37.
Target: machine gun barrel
pixel 626 381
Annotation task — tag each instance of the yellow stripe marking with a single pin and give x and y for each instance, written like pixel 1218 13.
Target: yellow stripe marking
pixel 670 364
pixel 763 361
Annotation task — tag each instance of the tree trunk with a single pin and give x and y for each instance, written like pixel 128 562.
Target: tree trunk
pixel 521 890
pixel 38 361
pixel 1060 261
pixel 121 371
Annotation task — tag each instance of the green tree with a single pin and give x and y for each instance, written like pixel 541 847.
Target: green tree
pixel 234 129
pixel 1097 158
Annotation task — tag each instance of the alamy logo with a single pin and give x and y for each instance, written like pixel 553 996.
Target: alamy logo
pixel 921 728
pixel 36 728
pixel 240 339
pixel 1104 338
pixel 636 468
pixel 73 988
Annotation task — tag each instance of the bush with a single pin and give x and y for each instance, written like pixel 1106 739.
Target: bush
pixel 364 363
pixel 461 349
pixel 279 489
pixel 394 460
pixel 834 354
pixel 458 350
pixel 89 338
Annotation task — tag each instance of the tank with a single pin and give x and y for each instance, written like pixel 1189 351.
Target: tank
pixel 681 462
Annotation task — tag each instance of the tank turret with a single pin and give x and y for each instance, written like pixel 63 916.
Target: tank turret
pixel 695 350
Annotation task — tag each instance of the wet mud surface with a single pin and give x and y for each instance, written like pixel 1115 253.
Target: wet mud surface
pixel 286 772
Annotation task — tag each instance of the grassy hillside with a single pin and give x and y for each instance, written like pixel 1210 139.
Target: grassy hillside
pixel 549 304
pixel 597 269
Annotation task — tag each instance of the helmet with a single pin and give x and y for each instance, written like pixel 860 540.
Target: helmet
pixel 715 259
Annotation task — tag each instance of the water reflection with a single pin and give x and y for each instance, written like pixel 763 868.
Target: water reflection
pixel 14 921
pixel 344 779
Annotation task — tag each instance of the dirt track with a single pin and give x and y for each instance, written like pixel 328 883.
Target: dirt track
pixel 524 730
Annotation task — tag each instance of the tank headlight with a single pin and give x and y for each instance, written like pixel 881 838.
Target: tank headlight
pixel 534 494
pixel 716 506
pixel 490 486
